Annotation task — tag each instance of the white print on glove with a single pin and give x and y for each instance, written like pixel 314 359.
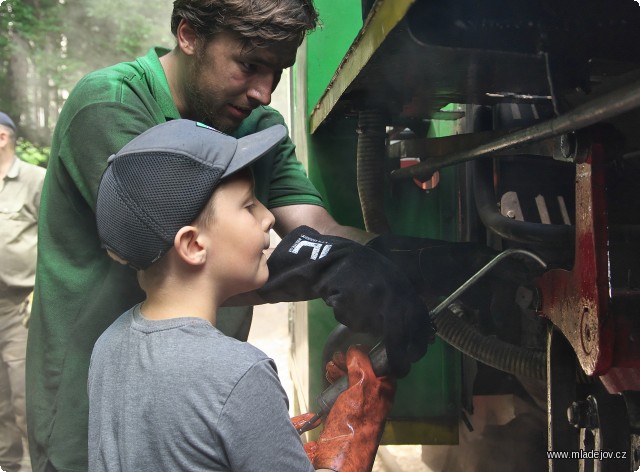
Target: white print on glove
pixel 319 249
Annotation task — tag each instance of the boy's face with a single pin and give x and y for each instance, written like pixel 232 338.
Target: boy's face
pixel 225 80
pixel 238 235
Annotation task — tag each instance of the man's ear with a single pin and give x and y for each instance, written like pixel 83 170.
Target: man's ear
pixel 187 38
pixel 188 247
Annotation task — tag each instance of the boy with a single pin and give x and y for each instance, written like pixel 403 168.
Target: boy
pixel 167 390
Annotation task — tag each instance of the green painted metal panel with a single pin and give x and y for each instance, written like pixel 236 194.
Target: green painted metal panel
pixel 430 396
pixel 332 168
pixel 384 17
pixel 431 393
pixel 340 22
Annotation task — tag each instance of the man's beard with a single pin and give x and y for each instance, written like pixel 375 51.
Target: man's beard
pixel 204 110
pixel 203 107
pixel 201 110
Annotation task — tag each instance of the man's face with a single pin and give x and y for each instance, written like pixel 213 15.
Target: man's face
pixel 6 141
pixel 226 79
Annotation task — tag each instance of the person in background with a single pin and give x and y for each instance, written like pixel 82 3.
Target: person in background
pixel 228 59
pixel 20 187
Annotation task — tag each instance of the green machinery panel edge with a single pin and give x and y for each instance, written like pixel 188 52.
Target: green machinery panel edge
pixel 427 404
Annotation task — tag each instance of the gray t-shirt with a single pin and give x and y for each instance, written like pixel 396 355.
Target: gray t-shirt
pixel 179 395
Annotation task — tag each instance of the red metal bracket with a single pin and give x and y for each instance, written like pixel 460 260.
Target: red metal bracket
pixel 578 301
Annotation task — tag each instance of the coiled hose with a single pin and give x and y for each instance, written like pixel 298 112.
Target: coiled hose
pixel 370 170
pixel 454 330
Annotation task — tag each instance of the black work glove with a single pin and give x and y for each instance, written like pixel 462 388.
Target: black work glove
pixel 437 268
pixel 366 291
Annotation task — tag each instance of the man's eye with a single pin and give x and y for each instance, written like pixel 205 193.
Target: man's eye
pixel 248 67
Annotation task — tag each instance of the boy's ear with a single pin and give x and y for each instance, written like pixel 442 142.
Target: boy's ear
pixel 188 247
pixel 187 38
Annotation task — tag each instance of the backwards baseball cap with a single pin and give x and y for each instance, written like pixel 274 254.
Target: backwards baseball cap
pixel 7 121
pixel 162 180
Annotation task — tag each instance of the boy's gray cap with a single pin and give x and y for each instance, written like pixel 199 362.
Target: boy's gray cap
pixel 7 121
pixel 161 181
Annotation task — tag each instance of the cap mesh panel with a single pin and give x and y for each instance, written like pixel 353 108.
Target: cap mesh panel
pixel 151 196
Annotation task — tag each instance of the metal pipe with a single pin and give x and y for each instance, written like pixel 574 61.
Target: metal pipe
pixel 599 109
pixel 487 267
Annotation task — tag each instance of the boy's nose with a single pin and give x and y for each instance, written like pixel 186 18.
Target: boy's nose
pixel 267 218
pixel 270 220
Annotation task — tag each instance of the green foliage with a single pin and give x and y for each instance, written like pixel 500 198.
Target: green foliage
pixel 46 46
pixel 29 152
pixel 134 29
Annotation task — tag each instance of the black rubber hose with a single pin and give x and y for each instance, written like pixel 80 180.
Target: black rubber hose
pixel 513 230
pixel 456 332
pixel 489 350
pixel 370 170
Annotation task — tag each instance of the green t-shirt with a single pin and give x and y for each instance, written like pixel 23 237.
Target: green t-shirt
pixel 80 291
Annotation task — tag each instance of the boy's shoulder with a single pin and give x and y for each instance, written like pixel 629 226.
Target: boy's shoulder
pixel 193 338
pixel 215 357
pixel 120 325
pixel 224 350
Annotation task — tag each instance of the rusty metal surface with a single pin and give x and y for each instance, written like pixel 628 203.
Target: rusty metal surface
pixel 577 301
pixel 596 305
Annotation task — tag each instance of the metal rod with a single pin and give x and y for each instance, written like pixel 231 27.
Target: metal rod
pixel 504 254
pixel 599 109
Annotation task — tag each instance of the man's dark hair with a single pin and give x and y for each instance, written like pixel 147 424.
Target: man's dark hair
pixel 259 22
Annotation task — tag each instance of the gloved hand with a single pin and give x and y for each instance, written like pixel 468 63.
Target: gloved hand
pixel 435 267
pixel 336 368
pixel 366 291
pixel 298 422
pixel 352 430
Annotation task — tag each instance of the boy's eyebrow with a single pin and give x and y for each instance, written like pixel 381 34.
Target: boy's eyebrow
pixel 249 193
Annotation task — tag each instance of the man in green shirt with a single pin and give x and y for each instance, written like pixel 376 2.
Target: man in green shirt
pixel 228 59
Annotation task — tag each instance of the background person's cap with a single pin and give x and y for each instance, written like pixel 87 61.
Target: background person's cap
pixel 7 121
pixel 161 181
